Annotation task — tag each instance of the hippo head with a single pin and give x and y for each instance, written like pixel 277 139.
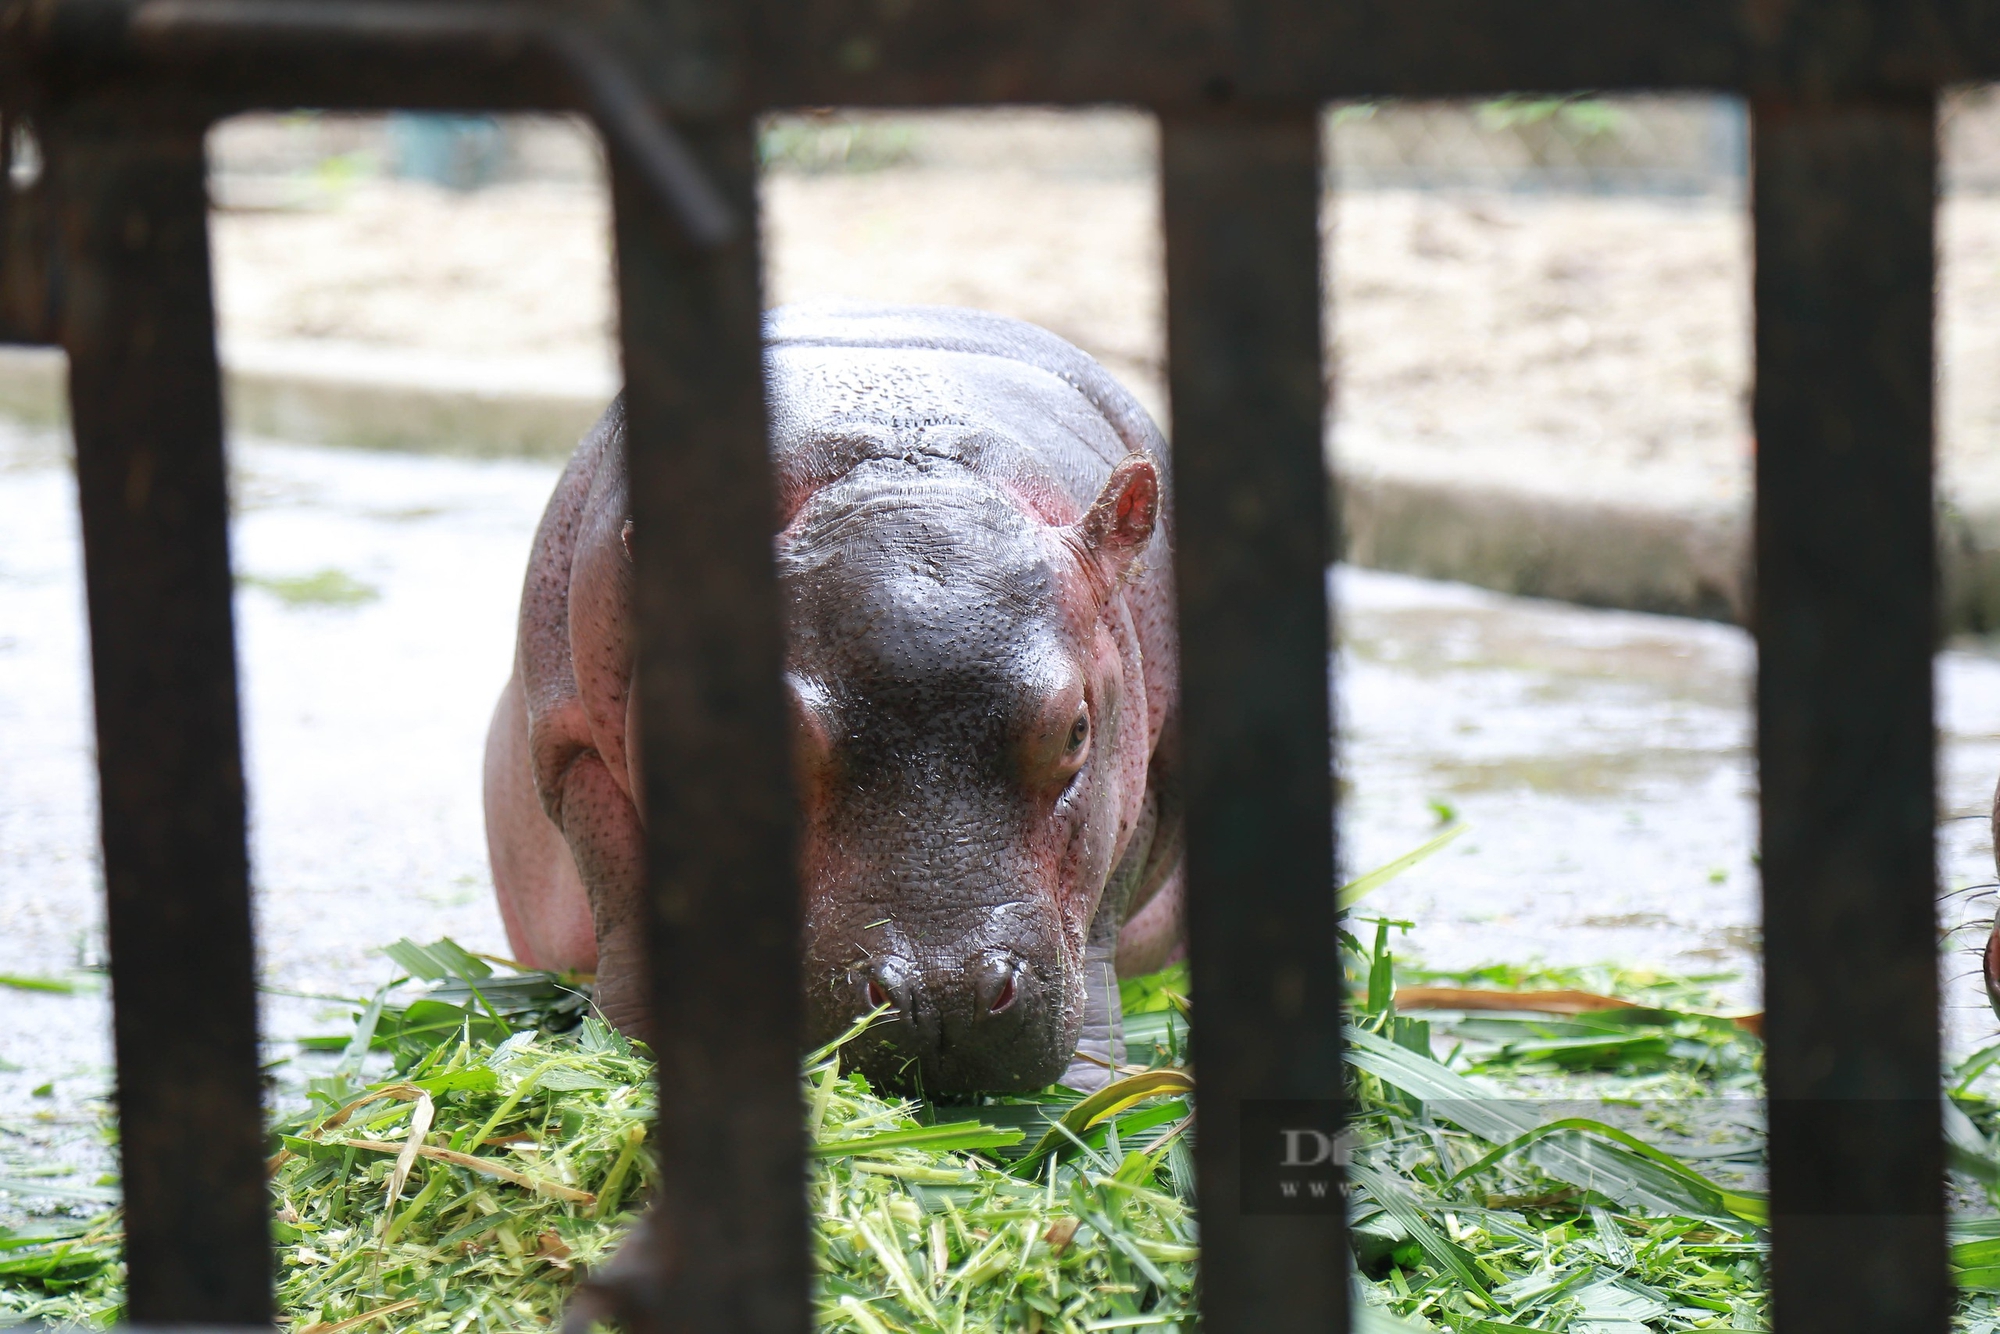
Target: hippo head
pixel 972 739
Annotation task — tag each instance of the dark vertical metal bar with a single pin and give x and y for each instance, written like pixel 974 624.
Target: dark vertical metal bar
pixel 1242 195
pixel 1844 198
pixel 720 815
pixel 146 401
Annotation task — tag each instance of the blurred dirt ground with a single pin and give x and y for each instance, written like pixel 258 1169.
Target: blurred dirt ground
pixel 1578 344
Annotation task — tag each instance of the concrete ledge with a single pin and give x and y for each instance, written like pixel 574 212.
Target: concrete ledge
pixel 365 399
pixel 32 385
pixel 1585 551
pixel 1597 553
pixel 432 421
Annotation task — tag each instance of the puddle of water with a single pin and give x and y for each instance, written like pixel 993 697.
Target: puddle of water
pixel 1603 760
pixel 364 722
pixel 1600 758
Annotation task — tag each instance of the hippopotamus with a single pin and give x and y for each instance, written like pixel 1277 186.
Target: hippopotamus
pixel 972 548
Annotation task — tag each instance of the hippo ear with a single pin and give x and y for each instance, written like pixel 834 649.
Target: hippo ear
pixel 1120 521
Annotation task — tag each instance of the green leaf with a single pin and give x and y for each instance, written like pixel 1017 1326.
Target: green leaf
pixel 1636 1180
pixel 47 1190
pixel 959 1135
pixel 435 1020
pixel 1358 889
pixel 364 1036
pixel 478 1079
pixel 1108 1101
pixel 437 961
pixel 1395 1198
pixel 461 964
pixel 55 985
pixel 1586 1052
pixel 415 960
pixel 1381 972
pixel 1749 1207
pixel 1972 1067
pixel 1152 993
pixel 1374 1320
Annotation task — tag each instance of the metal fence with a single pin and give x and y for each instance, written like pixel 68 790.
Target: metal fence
pixel 107 253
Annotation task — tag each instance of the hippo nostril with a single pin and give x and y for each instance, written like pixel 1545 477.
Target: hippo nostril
pixel 888 983
pixel 996 982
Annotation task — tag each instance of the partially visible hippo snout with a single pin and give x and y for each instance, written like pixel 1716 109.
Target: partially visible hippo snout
pixel 986 1022
pixel 972 549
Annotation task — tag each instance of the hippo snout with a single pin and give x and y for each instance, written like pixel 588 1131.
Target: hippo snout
pixel 992 980
pixel 978 1023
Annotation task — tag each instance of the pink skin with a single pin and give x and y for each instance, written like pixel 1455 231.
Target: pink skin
pixel 1122 618
pixel 1990 960
pixel 563 828
pixel 564 823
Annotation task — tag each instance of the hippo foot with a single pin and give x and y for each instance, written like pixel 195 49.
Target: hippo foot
pixel 1085 1076
pixel 1096 1062
pixel 622 998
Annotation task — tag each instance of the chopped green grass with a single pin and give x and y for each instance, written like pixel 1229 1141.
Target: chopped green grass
pixel 1090 1228
pixel 1554 1171
pixel 505 1154
pixel 1508 1170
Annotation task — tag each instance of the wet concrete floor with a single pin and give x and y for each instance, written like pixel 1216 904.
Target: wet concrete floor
pixel 1601 759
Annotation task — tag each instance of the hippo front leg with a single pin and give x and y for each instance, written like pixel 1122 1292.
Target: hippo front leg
pixel 1146 883
pixel 604 834
pixel 1100 1050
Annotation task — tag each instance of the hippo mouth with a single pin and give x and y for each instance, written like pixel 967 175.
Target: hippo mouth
pixel 991 1024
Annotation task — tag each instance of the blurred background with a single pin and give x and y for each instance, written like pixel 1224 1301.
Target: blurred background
pixel 1539 341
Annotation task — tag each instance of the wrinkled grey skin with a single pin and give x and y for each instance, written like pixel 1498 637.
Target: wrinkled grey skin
pixel 973 550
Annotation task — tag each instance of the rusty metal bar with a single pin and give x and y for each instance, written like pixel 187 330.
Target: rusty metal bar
pixel 972 52
pixel 927 52
pixel 729 1212
pixel 27 279
pixel 1844 196
pixel 146 402
pixel 444 28
pixel 1241 193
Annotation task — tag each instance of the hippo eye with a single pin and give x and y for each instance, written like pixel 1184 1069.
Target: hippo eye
pixel 1079 733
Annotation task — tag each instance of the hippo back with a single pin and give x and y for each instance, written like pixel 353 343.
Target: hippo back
pixel 886 328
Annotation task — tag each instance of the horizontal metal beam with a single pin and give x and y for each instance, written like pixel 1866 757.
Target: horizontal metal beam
pixel 705 59
pixel 1191 52
pixel 1180 52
